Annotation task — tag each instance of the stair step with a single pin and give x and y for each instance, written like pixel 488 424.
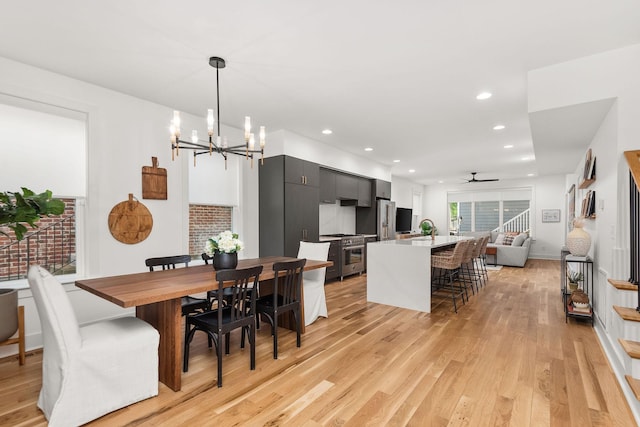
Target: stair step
pixel 627 313
pixel 632 348
pixel 634 384
pixel 623 285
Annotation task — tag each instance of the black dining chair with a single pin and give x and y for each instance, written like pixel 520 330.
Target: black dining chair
pixel 239 312
pixel 190 305
pixel 212 296
pixel 287 291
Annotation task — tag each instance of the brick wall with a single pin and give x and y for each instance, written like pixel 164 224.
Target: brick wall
pixel 206 221
pixel 48 245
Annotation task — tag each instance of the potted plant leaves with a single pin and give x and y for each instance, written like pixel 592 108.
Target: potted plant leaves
pixel 17 210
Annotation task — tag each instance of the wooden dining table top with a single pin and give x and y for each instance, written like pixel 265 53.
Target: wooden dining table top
pixel 130 290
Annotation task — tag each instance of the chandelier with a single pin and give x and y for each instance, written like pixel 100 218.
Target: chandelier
pixel 217 143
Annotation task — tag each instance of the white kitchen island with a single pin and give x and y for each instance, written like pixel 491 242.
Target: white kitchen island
pixel 399 271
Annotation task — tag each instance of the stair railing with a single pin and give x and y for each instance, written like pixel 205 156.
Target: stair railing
pixel 53 247
pixel 520 223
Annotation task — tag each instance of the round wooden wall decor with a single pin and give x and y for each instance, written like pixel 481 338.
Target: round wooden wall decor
pixel 130 221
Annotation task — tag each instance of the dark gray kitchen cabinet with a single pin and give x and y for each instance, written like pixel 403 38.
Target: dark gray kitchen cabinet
pixel 298 171
pixel 288 212
pixel 327 186
pixel 346 187
pixel 364 193
pixel 383 189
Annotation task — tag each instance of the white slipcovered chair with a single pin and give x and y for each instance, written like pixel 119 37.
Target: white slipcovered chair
pixel 92 370
pixel 315 302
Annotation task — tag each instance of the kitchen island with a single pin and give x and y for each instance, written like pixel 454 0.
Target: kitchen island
pixel 399 271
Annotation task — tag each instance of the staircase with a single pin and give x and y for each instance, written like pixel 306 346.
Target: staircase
pixel 625 326
pixel 520 223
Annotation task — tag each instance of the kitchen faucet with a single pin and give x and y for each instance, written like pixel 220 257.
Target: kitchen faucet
pixel 433 227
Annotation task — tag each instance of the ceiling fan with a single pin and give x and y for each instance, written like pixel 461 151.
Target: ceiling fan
pixel 473 178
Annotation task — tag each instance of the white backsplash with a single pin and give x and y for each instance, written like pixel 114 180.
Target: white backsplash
pixel 337 219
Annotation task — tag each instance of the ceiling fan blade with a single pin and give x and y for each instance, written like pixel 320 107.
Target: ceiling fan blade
pixel 487 180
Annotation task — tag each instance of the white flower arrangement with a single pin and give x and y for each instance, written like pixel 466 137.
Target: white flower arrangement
pixel 225 242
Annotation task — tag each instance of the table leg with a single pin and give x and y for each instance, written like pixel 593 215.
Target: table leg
pixel 166 317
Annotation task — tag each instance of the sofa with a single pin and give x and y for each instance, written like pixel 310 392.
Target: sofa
pixel 512 249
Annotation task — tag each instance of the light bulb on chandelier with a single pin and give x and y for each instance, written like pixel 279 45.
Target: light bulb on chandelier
pixel 216 143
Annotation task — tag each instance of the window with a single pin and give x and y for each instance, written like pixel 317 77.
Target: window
pixel 54 160
pixel 487 216
pixel 489 210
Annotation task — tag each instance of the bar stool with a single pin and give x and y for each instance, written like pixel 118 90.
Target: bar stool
pixel 449 263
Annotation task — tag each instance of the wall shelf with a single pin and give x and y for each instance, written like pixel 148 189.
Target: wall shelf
pixel 586 183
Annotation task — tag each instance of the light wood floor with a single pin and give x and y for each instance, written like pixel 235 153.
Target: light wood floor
pixel 506 358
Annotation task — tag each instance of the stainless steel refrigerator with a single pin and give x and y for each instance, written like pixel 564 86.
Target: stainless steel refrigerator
pixel 386 219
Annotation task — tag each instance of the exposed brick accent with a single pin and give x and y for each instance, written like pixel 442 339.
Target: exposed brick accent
pixel 48 245
pixel 206 221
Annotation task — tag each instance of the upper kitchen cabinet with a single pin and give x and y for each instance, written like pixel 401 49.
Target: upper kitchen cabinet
pixel 364 193
pixel 327 186
pixel 346 187
pixel 298 171
pixel 383 189
pixel 288 211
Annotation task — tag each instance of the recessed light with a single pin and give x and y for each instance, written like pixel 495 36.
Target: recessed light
pixel 412 170
pixel 483 95
pixel 368 149
pixel 530 174
pixel 327 131
pixel 441 182
pixel 527 158
pixel 508 146
pixel 499 127
pixel 396 161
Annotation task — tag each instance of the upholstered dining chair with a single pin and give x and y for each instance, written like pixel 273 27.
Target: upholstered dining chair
pixel 287 289
pixel 91 370
pixel 239 312
pixel 315 301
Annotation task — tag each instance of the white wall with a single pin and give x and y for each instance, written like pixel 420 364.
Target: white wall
pixel 547 193
pixel 123 134
pixel 291 144
pixel 612 74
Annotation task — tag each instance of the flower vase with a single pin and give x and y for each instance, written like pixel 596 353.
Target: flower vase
pixel 578 240
pixel 225 261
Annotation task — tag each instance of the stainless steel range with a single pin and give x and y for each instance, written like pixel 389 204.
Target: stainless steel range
pixel 352 250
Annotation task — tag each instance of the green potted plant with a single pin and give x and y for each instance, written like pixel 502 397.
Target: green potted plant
pixel 427 228
pixel 20 209
pixel 574 277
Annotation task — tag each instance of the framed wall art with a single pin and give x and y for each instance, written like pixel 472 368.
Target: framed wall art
pixel 550 215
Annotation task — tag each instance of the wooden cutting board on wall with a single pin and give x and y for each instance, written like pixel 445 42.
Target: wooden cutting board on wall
pixel 130 221
pixel 154 181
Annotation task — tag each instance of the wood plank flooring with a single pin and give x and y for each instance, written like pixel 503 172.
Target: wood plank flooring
pixel 506 358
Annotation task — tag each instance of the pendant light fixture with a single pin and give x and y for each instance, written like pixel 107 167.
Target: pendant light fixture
pixel 217 143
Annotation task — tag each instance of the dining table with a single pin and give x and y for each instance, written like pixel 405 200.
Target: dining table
pixel 157 299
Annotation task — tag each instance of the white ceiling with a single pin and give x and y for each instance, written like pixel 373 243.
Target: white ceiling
pixel 398 76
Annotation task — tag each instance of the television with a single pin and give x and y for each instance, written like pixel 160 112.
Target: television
pixel 404 218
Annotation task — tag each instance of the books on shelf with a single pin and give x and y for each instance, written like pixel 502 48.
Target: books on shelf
pixel 589 204
pixel 579 310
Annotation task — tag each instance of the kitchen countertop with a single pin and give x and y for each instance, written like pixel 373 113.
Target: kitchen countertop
pixel 328 238
pixel 425 241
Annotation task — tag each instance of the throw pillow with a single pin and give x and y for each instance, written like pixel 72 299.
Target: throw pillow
pixel 500 239
pixel 519 239
pixel 508 239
